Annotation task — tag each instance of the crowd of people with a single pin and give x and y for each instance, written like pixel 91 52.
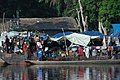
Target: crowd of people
pixel 34 45
pixel 22 46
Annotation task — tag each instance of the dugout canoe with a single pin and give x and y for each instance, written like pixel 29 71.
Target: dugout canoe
pixel 11 58
pixel 105 62
pixel 17 58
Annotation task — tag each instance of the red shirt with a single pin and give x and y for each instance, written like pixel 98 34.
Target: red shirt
pixel 80 51
pixel 24 47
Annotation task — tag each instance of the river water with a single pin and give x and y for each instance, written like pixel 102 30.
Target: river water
pixel 60 72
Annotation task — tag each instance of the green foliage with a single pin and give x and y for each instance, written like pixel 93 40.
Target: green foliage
pixel 91 9
pixel 108 11
pixel 71 10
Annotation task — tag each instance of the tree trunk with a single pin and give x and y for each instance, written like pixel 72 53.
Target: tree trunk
pixel 82 17
pixel 86 17
pixel 99 27
pixel 104 29
pixel 78 20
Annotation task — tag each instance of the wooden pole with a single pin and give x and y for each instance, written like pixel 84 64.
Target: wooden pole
pixel 65 41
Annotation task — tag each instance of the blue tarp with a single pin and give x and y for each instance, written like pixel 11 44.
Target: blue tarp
pixel 116 28
pixel 115 35
pixel 43 38
pixel 117 48
pixel 93 33
pixel 58 35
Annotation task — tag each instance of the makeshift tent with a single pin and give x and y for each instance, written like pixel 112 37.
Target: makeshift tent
pixel 4 33
pixel 114 39
pixel 12 33
pixel 116 28
pixel 45 37
pixel 96 38
pixel 76 38
pixel 55 39
pixel 1 39
pixel 58 35
pixel 115 35
pixel 93 33
pixel 79 39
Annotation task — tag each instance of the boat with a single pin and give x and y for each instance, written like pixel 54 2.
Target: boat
pixel 81 62
pixel 17 58
pixel 11 58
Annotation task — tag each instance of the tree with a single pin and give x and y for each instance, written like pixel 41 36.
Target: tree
pixel 84 11
pixel 91 9
pixel 84 19
pixel 70 7
pixel 61 5
pixel 109 12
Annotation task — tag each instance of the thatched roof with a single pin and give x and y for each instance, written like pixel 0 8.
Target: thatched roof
pixel 67 23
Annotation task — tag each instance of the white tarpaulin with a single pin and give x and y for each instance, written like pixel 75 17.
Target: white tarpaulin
pixel 1 39
pixel 9 34
pixel 94 37
pixel 12 33
pixel 3 33
pixel 55 39
pixel 79 39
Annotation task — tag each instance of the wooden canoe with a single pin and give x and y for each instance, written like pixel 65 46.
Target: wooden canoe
pixel 11 58
pixel 105 62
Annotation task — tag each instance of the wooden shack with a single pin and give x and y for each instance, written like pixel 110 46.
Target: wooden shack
pixel 47 25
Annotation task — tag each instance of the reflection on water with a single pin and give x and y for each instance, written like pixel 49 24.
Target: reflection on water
pixel 60 72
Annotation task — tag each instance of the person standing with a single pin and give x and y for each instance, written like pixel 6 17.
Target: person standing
pixel 87 52
pixel 12 45
pixel 25 50
pixel 3 46
pixel 80 51
pixel 7 43
pixel 94 52
pixel 16 49
pixel 38 45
